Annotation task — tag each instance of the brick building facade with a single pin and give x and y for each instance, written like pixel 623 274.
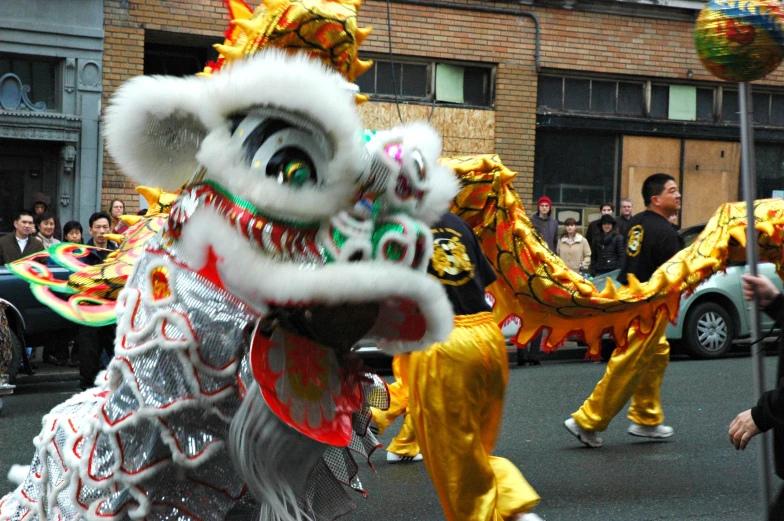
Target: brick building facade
pixel 620 67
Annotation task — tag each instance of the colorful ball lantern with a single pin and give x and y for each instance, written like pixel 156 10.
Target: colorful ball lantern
pixel 740 40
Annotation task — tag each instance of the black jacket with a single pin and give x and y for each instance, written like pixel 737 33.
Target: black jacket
pixel 769 411
pixel 607 252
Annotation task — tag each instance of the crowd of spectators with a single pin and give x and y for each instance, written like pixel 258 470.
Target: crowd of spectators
pixel 36 230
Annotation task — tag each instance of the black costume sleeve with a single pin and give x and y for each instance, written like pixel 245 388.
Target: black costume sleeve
pixel 769 411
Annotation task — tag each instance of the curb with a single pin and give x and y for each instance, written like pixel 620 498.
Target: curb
pixel 45 377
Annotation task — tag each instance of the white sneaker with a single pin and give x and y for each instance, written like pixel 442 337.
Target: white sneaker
pixel 587 438
pixel 397 458
pixel 648 431
pixel 530 516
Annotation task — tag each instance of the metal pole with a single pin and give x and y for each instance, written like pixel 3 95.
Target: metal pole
pixel 757 360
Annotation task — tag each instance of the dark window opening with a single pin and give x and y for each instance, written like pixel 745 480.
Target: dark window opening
pixel 577 94
pixel 476 86
pixel 603 96
pixel 729 106
pixel 630 99
pixel 660 101
pixel 177 60
pixel 777 109
pixel 769 163
pixel 760 104
pixel 704 104
pixel 550 92
pixel 575 168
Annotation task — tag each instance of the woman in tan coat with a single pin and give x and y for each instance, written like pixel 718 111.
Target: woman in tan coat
pixel 574 249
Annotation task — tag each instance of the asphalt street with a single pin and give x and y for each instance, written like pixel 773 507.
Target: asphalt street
pixel 695 475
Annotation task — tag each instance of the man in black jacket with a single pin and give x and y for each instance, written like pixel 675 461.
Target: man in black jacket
pixel 636 373
pixel 769 411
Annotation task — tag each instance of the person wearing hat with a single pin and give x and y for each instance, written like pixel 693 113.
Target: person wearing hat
pixel 595 227
pixel 545 223
pixel 39 205
pixel 607 250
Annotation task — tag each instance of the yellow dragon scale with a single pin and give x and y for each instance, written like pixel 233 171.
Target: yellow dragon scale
pixel 535 285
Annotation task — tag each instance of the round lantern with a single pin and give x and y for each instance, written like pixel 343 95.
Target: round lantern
pixel 740 40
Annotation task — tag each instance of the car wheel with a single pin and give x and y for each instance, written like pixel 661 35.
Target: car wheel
pixel 709 331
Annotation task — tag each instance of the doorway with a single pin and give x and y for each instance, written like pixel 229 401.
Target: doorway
pixel 25 168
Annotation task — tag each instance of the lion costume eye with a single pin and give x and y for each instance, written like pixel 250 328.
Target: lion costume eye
pixel 291 166
pixel 283 147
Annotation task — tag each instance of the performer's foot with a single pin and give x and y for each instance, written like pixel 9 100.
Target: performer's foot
pixel 397 458
pixel 650 431
pixel 587 438
pixel 530 516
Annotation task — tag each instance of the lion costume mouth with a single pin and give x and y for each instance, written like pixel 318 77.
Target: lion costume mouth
pixel 344 248
pixel 290 241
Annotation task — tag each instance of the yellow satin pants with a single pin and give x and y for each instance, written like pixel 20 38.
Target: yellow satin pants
pixel 405 443
pixel 636 373
pixel 456 403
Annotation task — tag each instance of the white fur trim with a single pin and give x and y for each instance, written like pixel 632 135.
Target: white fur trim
pixel 258 279
pixel 18 473
pixel 202 106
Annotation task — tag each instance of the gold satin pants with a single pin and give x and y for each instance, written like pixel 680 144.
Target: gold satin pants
pixel 456 403
pixel 405 443
pixel 637 373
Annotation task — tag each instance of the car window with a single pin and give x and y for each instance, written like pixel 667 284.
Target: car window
pixel 690 234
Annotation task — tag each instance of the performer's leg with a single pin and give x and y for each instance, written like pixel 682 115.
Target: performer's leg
pixel 646 408
pixel 398 395
pixel 623 374
pixel 455 387
pixel 89 356
pixel 405 443
pixel 514 493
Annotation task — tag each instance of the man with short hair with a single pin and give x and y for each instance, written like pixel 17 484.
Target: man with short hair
pixel 595 227
pixel 93 340
pixel 625 217
pixel 22 242
pixel 637 372
pixel 100 225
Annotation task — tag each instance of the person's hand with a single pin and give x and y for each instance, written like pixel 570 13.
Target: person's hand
pixel 762 286
pixel 742 429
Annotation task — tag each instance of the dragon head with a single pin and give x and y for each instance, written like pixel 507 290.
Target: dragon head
pixel 285 203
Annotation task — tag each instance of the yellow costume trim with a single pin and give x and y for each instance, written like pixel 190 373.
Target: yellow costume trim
pixel 325 29
pixel 536 285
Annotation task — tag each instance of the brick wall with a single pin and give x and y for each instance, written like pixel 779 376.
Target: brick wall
pixel 125 22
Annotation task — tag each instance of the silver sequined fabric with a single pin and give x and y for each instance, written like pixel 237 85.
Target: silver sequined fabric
pixel 152 439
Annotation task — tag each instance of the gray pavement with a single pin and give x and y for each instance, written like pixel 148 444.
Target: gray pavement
pixel 694 475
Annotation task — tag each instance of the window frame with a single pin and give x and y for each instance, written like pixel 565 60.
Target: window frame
pixel 718 105
pixel 431 65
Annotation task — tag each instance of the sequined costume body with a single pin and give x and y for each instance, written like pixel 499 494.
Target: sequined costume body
pixel 151 442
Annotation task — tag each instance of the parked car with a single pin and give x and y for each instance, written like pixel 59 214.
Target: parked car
pixel 29 320
pixel 715 316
